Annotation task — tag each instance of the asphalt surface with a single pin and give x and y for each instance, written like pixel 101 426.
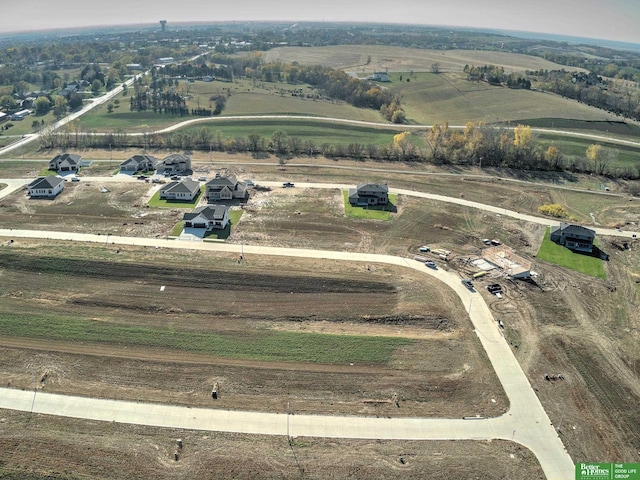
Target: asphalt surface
pixel 526 422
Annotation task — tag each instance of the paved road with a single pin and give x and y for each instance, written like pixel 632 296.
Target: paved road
pixel 526 422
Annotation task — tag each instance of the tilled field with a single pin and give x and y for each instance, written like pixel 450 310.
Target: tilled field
pixel 108 329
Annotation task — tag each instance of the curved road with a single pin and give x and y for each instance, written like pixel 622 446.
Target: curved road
pixel 526 422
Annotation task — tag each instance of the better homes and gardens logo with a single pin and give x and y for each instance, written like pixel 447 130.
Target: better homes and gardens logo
pixel 607 471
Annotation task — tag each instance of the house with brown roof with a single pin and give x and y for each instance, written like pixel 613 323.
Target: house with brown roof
pixel 209 217
pixel 225 188
pixel 183 190
pixel 46 187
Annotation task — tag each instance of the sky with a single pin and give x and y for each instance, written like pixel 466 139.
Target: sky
pixel 605 19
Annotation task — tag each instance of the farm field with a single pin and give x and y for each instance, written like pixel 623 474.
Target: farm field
pixel 363 334
pixel 397 59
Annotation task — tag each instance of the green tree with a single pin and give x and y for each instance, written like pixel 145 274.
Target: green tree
pixel 96 85
pixel 7 102
pixel 60 106
pixel 42 105
pixel 280 143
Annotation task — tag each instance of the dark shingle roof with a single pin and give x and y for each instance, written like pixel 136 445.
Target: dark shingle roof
pixel 46 182
pixel 184 186
pixel 210 212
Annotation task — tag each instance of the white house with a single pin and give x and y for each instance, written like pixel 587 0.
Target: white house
pixel 46 187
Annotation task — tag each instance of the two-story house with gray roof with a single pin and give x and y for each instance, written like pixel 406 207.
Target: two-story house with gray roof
pixel 209 217
pixel 176 164
pixel 574 237
pixel 185 190
pixel 369 194
pixel 225 188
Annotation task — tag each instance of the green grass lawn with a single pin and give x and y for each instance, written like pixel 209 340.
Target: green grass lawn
pixel 234 218
pixel 318 131
pixel 157 202
pixel 559 255
pixel 260 345
pixel 378 212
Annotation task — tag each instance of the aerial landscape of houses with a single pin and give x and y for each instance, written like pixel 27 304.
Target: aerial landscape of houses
pixel 319 250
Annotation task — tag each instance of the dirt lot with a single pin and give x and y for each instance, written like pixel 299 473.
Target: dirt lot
pixel 584 328
pixel 36 447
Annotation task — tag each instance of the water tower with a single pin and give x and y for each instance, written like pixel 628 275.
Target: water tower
pixel 163 25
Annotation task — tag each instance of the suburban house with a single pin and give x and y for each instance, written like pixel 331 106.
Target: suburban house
pixel 209 217
pixel 65 162
pixel 3 117
pixel 369 194
pixel 185 190
pixel 225 188
pixel 139 163
pixel 176 163
pixel 46 187
pixel 574 237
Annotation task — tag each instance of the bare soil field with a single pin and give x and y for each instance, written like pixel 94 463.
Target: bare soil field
pixel 56 448
pixel 427 326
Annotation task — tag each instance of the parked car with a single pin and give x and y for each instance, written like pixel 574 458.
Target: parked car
pixel 75 179
pixel 175 177
pixel 424 248
pixel 249 183
pixel 202 179
pixel 142 177
pixel 431 264
pixel 467 283
pixel 288 185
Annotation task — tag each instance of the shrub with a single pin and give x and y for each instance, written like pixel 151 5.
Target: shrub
pixel 553 210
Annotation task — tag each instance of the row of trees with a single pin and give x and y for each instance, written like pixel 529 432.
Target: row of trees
pixel 476 145
pixel 495 75
pixel 592 90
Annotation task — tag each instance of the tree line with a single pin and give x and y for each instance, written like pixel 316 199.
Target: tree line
pixel 475 145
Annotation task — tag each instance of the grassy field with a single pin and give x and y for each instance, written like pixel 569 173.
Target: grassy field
pixel 559 255
pixel 257 345
pixel 571 146
pixel 319 132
